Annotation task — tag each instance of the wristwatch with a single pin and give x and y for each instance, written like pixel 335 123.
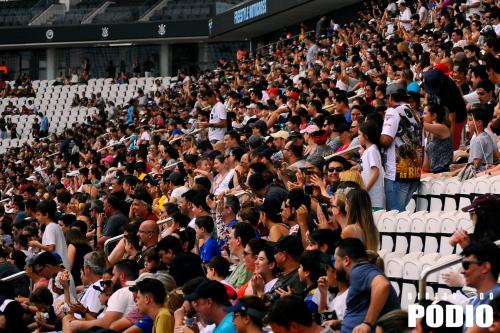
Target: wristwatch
pixel 368 324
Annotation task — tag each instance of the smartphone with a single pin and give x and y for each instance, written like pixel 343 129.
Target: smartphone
pixel 308 189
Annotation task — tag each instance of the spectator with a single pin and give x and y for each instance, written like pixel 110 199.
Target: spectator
pixel 481 270
pixel 370 293
pixel 53 239
pixel 360 222
pixel 371 164
pixel 210 302
pixel 290 313
pixel 439 149
pixel 248 314
pixel 401 128
pixel 287 255
pixel 241 234
pixel 150 301
pixel 393 322
pixel 119 304
pixel 78 247
pixel 482 149
pixel 207 244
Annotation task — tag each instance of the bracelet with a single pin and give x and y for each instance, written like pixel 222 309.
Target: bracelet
pixel 367 323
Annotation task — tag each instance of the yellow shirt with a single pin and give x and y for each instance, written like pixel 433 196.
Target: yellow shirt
pixel 164 322
pixel 161 201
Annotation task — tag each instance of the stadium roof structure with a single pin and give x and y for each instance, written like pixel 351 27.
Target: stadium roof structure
pixel 257 17
pixel 102 34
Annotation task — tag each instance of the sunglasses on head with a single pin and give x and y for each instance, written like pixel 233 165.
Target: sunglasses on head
pixel 466 264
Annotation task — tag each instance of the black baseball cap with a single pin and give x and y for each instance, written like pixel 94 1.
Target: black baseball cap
pixel 210 289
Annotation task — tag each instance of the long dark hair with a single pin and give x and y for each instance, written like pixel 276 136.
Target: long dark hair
pixel 487 227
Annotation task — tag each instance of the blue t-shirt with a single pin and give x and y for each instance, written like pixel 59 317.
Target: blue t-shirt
pixel 44 125
pixel 485 298
pixel 145 324
pixel 226 325
pixel 358 297
pixel 209 250
pixel 130 115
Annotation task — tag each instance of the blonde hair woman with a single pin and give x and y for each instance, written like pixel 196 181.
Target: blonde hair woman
pixel 360 223
pixel 352 176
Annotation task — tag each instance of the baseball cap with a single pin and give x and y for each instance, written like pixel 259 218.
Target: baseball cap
pixel 272 90
pixel 254 141
pixel 432 80
pixel 280 134
pixel 484 202
pixel 395 88
pixel 293 95
pixel 260 124
pixel 265 152
pixel 310 129
pixel 413 87
pixel 110 159
pixel 210 289
pixel 320 137
pixel 241 306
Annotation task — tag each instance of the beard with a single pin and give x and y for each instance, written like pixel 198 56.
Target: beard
pixel 342 275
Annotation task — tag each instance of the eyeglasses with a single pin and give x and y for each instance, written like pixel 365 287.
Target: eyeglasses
pixel 466 264
pixel 245 253
pixel 337 169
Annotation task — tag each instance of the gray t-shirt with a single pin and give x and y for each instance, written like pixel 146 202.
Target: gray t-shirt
pixel 114 225
pixel 481 147
pixel 311 54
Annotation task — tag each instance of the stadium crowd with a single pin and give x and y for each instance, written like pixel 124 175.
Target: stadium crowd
pixel 245 194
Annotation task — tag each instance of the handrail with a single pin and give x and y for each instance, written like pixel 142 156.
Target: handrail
pixel 13 276
pixel 115 239
pixel 435 268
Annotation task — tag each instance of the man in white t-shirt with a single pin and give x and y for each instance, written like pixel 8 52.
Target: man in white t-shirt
pixel 402 139
pixel 405 15
pixel 53 239
pixel 119 304
pixel 471 7
pixel 94 265
pixel 217 124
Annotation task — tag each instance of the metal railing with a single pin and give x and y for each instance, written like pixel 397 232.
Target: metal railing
pixel 116 239
pixel 424 275
pixel 13 276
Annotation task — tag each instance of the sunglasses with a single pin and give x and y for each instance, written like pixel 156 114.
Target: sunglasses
pixel 106 283
pixel 337 169
pixel 466 264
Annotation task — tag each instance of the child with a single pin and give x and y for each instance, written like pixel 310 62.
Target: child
pixel 208 245
pixel 151 262
pixel 218 270
pixel 45 317
pixel 482 150
pixel 332 302
pixel 310 270
pixel 372 170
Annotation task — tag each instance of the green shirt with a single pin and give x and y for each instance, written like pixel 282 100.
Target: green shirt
pixel 239 276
